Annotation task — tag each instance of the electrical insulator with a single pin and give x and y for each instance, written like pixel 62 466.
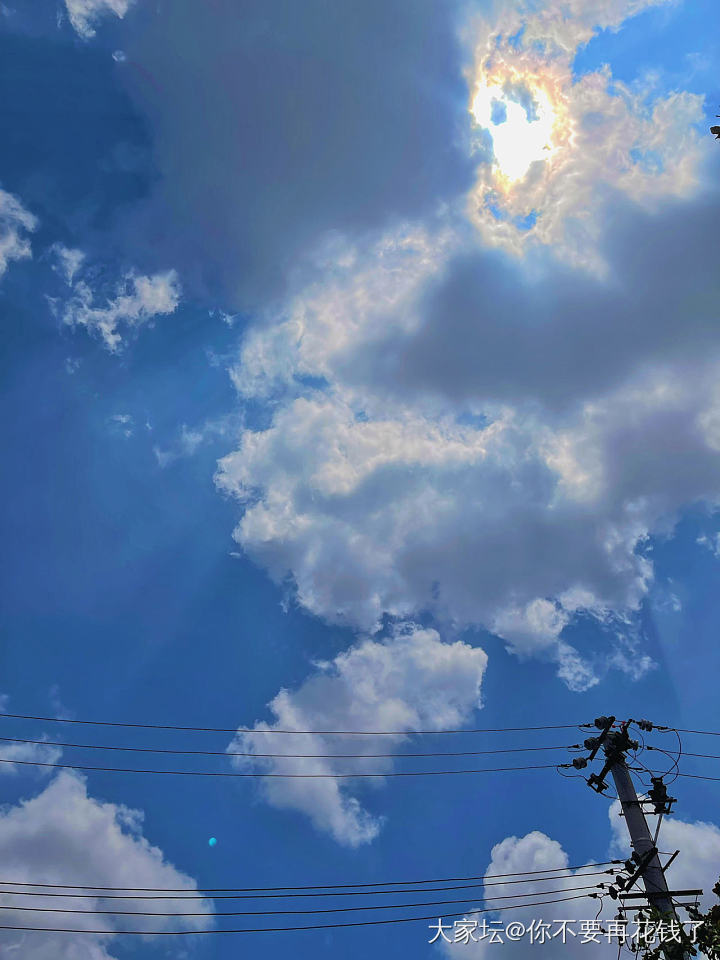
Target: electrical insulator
pixel 597 783
pixel 590 743
pixel 645 725
pixel 659 796
pixel 579 763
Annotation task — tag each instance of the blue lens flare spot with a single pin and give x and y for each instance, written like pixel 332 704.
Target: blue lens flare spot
pixel 212 842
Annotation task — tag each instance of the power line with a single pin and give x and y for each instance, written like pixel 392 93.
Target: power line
pixel 341 733
pixel 273 913
pixel 283 776
pixel 317 886
pixel 678 753
pixel 291 756
pixel 695 776
pixel 290 896
pixel 704 733
pixel 315 926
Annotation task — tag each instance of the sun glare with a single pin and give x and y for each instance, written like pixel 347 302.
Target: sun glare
pixel 519 136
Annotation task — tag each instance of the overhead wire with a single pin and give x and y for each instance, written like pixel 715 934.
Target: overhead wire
pixel 673 756
pixel 255 731
pixel 322 926
pixel 157 894
pixel 696 776
pixel 687 753
pixel 636 754
pixel 318 886
pixel 292 756
pixel 343 733
pixel 704 733
pixel 284 776
pixel 263 913
pixel 679 755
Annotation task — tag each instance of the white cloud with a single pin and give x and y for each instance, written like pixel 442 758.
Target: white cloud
pixel 69 261
pixel 63 835
pixel 536 851
pixel 607 136
pixel 409 681
pixel 122 423
pixel 486 437
pixel 569 24
pixel 191 439
pixel 517 525
pixel 27 753
pixel 136 300
pixel 710 542
pixel 360 288
pixel 15 223
pixel 84 14
pixel 696 866
pixel 489 439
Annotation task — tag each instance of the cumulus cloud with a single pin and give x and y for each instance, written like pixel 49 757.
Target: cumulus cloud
pixel 601 136
pixel 134 301
pixel 484 405
pixel 15 223
pixel 536 851
pixel 84 14
pixel 64 835
pixel 698 841
pixel 342 117
pixel 518 524
pixel 697 866
pixel 14 756
pixel 437 403
pixel 27 753
pixel 570 24
pixel 617 139
pixel 408 681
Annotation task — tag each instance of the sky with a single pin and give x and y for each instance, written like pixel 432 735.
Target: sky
pixel 360 372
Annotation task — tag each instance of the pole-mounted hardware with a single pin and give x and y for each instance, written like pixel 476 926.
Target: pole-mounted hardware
pixel 644 864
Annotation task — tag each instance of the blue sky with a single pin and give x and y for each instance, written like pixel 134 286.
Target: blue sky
pixel 305 392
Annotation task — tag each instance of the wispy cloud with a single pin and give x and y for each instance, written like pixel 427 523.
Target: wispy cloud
pixel 15 223
pixel 84 14
pixel 123 306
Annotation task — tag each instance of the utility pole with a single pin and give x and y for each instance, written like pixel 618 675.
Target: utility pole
pixel 651 871
pixel 645 862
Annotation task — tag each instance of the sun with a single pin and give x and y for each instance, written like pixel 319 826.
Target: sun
pixel 521 132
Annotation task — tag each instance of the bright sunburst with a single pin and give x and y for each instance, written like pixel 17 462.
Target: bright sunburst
pixel 518 137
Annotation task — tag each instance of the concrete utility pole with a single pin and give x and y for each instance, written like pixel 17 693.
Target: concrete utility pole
pixel 645 860
pixel 651 872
